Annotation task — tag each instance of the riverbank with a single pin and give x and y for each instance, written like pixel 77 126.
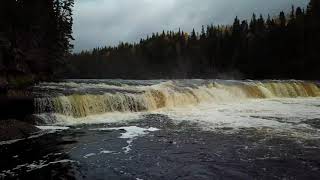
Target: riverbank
pixel 14 129
pixel 16 110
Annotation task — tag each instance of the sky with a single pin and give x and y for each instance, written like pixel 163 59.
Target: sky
pixel 107 22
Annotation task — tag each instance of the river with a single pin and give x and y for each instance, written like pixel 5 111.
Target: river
pixel 177 129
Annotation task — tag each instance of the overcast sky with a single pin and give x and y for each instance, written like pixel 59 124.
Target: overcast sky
pixel 107 22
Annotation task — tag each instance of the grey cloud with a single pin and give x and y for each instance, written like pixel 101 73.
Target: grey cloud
pixel 107 22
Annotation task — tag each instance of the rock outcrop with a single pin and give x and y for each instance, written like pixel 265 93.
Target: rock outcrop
pixel 13 129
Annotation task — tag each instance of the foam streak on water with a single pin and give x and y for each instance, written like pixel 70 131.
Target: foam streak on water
pixel 131 133
pixel 34 166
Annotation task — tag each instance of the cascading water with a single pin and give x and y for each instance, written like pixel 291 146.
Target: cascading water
pixel 107 128
pixel 78 99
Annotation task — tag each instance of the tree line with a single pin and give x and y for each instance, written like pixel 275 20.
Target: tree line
pixel 280 47
pixel 35 40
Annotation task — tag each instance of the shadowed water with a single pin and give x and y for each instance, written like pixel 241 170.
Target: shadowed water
pixel 175 151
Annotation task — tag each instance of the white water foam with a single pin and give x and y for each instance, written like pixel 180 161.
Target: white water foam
pixel 282 115
pixel 114 117
pixel 89 155
pixel 131 133
pixel 53 127
pixel 106 152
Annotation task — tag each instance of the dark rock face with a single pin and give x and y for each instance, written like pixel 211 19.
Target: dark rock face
pixel 13 129
pixel 16 107
pixel 34 120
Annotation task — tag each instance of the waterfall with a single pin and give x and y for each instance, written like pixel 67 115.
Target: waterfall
pixel 169 95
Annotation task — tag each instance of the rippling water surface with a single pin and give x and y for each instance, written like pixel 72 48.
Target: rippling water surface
pixel 193 129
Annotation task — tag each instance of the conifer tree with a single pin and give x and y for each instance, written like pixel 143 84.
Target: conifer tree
pixel 282 19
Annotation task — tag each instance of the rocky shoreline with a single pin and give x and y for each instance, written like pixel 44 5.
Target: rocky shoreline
pixel 14 129
pixel 15 115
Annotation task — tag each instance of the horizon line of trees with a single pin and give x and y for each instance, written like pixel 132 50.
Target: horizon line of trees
pixel 284 47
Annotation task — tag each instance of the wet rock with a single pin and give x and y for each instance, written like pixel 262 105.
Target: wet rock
pixel 33 119
pixel 16 107
pixel 14 129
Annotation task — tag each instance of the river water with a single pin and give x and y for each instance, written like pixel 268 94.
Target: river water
pixel 178 129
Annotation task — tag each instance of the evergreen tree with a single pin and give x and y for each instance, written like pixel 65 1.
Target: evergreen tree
pixel 236 26
pixel 253 23
pixel 203 33
pixel 282 19
pixel 260 25
pixel 193 36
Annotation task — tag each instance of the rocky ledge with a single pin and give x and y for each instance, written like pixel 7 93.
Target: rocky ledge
pixel 14 129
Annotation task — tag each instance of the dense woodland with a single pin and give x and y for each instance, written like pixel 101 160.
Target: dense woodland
pixel 280 47
pixel 34 40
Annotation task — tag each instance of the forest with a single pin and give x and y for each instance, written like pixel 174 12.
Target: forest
pixel 274 47
pixel 35 40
